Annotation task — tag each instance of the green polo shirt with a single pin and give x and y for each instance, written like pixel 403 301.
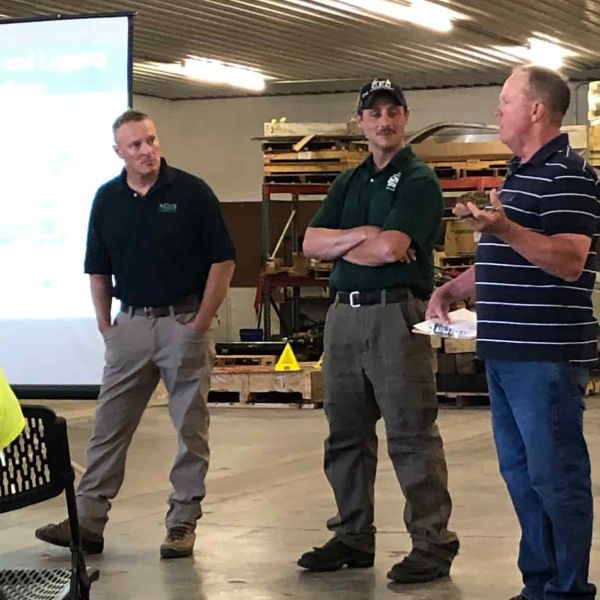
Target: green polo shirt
pixel 404 196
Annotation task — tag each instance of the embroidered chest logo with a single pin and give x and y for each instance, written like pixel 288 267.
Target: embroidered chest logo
pixel 392 182
pixel 167 207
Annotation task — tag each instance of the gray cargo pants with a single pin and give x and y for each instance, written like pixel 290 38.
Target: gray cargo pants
pixel 139 351
pixel 373 367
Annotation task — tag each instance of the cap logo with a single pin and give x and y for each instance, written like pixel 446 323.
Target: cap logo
pixel 378 84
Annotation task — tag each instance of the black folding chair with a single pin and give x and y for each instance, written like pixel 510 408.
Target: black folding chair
pixel 34 468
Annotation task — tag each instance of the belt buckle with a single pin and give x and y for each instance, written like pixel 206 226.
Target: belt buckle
pixel 352 296
pixel 149 312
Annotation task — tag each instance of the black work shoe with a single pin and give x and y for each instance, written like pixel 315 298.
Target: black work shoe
pixel 419 566
pixel 60 535
pixel 179 542
pixel 333 556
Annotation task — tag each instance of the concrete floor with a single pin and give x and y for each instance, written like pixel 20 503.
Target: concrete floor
pixel 267 503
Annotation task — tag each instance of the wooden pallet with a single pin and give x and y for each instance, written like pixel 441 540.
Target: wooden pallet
pixel 259 385
pixel 251 382
pixel 594 156
pixel 459 170
pixel 470 399
pixel 462 399
pixel 593 387
pixel 310 159
pixel 320 178
pixel 321 273
pixel 303 168
pixel 335 155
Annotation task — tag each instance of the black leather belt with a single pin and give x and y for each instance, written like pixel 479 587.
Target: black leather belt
pixel 374 297
pixel 188 305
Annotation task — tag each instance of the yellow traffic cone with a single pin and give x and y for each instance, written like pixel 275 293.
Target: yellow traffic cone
pixel 11 417
pixel 287 361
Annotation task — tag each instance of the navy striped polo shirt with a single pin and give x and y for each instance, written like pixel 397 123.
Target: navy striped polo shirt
pixel 524 313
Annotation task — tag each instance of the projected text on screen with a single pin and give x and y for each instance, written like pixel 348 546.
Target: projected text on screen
pixel 62 83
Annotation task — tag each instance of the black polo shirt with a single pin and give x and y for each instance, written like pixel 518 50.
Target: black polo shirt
pixel 523 312
pixel 404 196
pixel 159 247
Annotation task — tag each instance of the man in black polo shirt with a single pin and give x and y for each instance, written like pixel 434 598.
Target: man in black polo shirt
pixel 534 273
pixel 379 224
pixel 159 232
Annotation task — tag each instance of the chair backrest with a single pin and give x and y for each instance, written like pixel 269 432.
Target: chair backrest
pixel 33 467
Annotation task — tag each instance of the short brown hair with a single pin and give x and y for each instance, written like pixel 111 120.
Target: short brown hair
pixel 549 87
pixel 127 117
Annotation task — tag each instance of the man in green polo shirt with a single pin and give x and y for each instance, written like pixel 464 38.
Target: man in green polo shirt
pixel 379 224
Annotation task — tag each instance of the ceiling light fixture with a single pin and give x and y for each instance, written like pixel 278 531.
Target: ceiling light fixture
pixel 547 53
pixel 215 71
pixel 420 12
pixel 543 52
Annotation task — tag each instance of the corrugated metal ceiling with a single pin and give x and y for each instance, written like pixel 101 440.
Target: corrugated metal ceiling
pixel 307 46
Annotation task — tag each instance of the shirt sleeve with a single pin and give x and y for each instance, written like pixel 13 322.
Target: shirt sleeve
pixel 570 204
pixel 330 212
pixel 217 242
pixel 417 210
pixel 97 257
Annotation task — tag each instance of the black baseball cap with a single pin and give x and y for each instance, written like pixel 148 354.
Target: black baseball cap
pixel 379 86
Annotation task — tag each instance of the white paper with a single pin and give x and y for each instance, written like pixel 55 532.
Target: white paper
pixel 463 324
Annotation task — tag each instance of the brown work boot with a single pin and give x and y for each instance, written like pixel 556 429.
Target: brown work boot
pixel 179 542
pixel 60 535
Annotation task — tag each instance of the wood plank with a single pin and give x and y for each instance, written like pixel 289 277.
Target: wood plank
pixel 309 128
pixel 469 164
pixel 298 146
pixel 457 345
pixel 312 167
pixel 455 151
pixel 271 157
pixel 231 382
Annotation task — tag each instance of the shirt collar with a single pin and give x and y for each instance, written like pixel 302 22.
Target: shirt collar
pixel 549 149
pixel 165 176
pixel 402 157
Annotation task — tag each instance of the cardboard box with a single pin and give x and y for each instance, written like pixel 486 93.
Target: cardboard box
pixel 459 238
pixel 458 345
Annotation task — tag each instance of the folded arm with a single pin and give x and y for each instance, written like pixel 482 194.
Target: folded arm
pixel 329 244
pixel 380 249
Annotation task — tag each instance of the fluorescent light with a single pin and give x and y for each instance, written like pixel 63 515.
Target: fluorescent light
pixel 420 12
pixel 547 54
pixel 215 71
pixel 542 52
pixel 428 14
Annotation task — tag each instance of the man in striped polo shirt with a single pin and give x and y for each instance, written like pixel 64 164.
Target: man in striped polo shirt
pixel 533 277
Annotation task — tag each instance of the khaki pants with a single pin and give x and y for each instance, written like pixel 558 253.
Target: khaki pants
pixel 140 351
pixel 374 367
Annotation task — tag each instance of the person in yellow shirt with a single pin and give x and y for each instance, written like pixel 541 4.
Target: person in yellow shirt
pixel 12 421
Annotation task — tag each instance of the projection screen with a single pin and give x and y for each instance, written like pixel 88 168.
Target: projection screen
pixel 63 81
